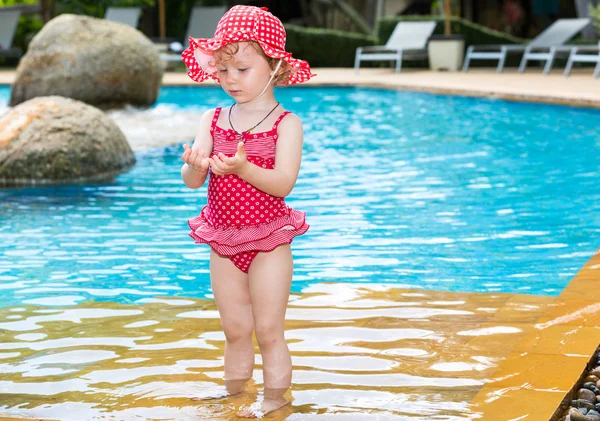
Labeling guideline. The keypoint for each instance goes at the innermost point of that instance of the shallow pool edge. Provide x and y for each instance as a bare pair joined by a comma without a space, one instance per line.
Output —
544,367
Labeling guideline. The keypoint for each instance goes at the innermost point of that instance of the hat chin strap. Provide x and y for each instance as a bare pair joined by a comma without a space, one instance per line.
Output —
269,82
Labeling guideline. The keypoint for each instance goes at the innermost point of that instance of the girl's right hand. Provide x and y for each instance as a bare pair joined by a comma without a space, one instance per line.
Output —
195,159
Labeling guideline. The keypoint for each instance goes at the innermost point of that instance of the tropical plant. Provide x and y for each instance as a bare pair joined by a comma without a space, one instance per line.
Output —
595,14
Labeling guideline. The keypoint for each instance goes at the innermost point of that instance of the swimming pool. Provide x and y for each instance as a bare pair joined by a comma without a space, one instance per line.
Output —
410,189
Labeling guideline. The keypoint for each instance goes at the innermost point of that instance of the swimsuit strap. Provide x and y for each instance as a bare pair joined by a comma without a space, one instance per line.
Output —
283,114
215,119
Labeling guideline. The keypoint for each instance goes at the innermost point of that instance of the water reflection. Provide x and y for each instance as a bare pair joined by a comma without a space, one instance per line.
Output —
383,351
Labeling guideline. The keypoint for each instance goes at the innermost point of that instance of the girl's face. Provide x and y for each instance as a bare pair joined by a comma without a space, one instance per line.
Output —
245,74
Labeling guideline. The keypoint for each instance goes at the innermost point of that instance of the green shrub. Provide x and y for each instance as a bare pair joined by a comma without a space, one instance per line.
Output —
28,27
595,14
325,47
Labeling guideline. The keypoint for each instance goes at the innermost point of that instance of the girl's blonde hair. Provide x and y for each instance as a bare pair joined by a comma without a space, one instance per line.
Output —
226,53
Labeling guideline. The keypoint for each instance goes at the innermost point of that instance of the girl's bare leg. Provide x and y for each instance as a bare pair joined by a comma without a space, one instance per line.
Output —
232,295
270,278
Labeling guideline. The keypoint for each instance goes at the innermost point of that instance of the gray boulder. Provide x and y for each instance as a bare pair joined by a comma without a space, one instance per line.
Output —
102,63
55,140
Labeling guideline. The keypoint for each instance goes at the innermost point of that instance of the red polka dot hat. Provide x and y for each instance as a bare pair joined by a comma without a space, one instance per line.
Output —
243,23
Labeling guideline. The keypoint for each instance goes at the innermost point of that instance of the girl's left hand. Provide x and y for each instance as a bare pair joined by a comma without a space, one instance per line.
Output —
221,164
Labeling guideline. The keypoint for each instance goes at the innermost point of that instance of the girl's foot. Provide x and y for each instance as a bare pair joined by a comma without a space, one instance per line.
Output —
261,408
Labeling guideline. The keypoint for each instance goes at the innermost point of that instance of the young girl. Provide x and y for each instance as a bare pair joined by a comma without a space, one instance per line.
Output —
252,151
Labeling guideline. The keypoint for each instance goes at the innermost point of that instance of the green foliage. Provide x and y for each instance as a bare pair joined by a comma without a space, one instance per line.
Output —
6,3
28,27
177,17
325,47
96,8
595,14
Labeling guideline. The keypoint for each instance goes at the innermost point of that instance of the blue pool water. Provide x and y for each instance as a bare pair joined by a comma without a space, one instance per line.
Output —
411,189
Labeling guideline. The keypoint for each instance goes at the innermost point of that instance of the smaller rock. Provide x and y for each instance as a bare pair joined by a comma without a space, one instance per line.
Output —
591,386
596,372
591,378
587,395
575,415
582,403
593,412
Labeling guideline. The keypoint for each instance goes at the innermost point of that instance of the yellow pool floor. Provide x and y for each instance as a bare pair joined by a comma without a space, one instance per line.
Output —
360,352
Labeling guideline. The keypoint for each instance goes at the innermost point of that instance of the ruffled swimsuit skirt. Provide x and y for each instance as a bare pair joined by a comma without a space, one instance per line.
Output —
239,220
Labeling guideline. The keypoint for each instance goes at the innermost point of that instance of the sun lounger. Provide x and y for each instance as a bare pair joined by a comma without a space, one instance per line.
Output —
125,15
544,47
9,20
584,54
202,24
407,42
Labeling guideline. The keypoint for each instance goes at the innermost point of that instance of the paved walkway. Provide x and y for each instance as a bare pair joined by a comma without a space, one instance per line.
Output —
579,89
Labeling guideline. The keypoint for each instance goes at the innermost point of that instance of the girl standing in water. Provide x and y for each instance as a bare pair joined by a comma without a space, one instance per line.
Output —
252,152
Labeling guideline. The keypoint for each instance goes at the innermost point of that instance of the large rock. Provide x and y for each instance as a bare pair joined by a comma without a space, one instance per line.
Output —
55,140
102,63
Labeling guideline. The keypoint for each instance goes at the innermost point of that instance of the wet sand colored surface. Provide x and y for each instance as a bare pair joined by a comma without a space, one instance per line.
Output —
359,352
547,362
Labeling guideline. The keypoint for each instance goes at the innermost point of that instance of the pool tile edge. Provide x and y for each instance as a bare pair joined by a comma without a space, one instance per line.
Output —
559,348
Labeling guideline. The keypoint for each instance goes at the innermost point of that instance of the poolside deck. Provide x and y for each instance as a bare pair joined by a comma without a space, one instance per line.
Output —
579,89
359,353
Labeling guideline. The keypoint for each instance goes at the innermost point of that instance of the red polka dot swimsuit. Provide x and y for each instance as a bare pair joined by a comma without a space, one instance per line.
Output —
239,220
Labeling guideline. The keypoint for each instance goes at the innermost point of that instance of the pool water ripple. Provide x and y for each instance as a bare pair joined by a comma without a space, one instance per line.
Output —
430,191
378,351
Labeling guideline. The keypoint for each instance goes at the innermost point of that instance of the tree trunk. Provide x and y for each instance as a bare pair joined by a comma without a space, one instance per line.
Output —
162,23
47,9
447,16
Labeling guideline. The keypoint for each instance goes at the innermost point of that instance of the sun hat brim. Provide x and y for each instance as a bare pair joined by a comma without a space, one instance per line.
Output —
198,57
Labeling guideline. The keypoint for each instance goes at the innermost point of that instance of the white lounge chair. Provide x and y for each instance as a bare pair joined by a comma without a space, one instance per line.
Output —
126,15
584,54
544,47
202,24
407,42
9,20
